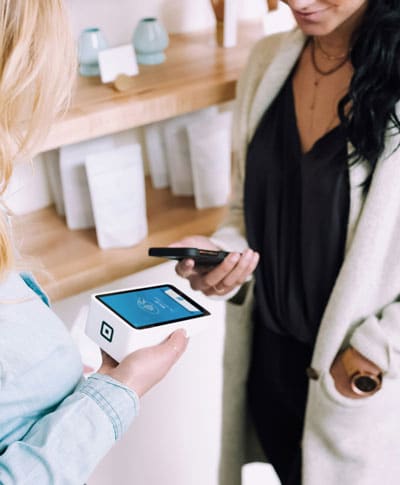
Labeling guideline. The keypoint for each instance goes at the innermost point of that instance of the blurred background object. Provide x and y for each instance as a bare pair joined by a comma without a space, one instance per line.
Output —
150,39
91,41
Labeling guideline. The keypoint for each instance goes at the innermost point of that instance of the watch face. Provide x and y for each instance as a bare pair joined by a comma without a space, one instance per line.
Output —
365,383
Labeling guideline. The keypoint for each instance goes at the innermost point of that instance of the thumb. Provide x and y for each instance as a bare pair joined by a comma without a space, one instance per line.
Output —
175,345
158,361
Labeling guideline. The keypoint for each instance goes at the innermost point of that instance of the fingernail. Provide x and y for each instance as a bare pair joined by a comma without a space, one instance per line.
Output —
235,257
181,331
249,254
186,263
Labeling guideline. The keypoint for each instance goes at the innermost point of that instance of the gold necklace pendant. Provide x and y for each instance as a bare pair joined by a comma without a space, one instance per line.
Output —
316,83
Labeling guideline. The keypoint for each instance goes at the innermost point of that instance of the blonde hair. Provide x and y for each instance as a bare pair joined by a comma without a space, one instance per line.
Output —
37,69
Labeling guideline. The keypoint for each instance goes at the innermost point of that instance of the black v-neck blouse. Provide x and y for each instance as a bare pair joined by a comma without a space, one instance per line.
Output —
296,213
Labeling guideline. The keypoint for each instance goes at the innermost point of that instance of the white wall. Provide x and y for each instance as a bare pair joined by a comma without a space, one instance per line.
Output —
119,18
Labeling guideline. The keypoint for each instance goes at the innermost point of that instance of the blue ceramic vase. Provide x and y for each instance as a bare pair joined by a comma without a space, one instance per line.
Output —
90,43
150,39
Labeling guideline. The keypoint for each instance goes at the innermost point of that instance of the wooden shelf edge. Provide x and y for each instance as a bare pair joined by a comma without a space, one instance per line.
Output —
197,74
68,262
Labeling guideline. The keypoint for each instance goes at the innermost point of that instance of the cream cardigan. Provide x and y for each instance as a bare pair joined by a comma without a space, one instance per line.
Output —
345,441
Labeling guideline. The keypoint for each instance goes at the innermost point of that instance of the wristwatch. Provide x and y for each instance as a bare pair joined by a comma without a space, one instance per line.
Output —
363,382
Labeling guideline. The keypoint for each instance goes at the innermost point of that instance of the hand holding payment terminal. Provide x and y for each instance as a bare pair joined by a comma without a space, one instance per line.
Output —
126,320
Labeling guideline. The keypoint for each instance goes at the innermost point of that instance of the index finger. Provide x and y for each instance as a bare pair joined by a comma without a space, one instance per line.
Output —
214,276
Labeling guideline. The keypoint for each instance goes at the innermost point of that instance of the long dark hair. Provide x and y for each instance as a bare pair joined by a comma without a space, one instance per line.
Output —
368,109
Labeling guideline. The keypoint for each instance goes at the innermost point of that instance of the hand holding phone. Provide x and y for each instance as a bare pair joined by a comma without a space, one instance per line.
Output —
201,257
220,279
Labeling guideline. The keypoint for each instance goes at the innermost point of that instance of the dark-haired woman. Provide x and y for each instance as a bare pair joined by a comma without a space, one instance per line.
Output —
315,341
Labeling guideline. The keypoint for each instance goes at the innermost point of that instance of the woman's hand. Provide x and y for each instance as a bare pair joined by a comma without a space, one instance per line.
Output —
341,377
228,275
144,368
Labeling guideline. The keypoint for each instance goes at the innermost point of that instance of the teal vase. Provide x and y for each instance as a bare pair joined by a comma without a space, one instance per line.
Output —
150,39
90,43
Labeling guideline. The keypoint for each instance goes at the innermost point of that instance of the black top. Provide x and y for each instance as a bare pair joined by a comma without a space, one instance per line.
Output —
296,212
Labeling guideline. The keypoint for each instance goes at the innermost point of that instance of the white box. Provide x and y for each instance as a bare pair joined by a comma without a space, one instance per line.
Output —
78,207
230,23
210,154
156,154
117,192
178,153
52,163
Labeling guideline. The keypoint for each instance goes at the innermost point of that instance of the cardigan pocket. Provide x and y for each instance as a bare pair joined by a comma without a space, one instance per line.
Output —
329,389
357,441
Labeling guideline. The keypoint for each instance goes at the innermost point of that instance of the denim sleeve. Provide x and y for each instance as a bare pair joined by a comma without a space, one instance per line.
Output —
64,446
31,282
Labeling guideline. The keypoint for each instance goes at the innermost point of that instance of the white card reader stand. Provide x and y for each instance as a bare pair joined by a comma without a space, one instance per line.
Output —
126,320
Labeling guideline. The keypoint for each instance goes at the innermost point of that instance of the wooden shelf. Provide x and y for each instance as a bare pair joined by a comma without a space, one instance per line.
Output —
69,262
196,74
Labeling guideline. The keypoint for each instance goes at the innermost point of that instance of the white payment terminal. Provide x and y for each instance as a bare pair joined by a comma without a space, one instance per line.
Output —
126,320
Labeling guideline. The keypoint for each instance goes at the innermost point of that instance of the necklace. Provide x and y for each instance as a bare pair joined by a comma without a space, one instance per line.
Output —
319,74
314,97
329,71
328,56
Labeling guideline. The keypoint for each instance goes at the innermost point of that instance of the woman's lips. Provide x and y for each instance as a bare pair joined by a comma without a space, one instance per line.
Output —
313,16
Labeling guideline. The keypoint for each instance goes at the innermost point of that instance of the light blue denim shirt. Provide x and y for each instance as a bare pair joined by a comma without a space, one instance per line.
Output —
54,425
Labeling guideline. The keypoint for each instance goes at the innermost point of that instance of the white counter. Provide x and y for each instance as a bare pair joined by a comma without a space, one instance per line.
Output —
175,440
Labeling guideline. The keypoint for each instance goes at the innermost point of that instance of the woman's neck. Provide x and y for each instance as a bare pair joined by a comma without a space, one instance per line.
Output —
340,40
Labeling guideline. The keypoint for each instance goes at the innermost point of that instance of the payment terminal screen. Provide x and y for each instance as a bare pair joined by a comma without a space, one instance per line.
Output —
148,307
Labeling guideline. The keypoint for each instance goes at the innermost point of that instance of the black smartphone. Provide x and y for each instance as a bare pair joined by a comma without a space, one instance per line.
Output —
201,257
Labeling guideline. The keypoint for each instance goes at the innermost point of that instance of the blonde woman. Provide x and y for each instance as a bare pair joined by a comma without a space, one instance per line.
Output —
54,426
